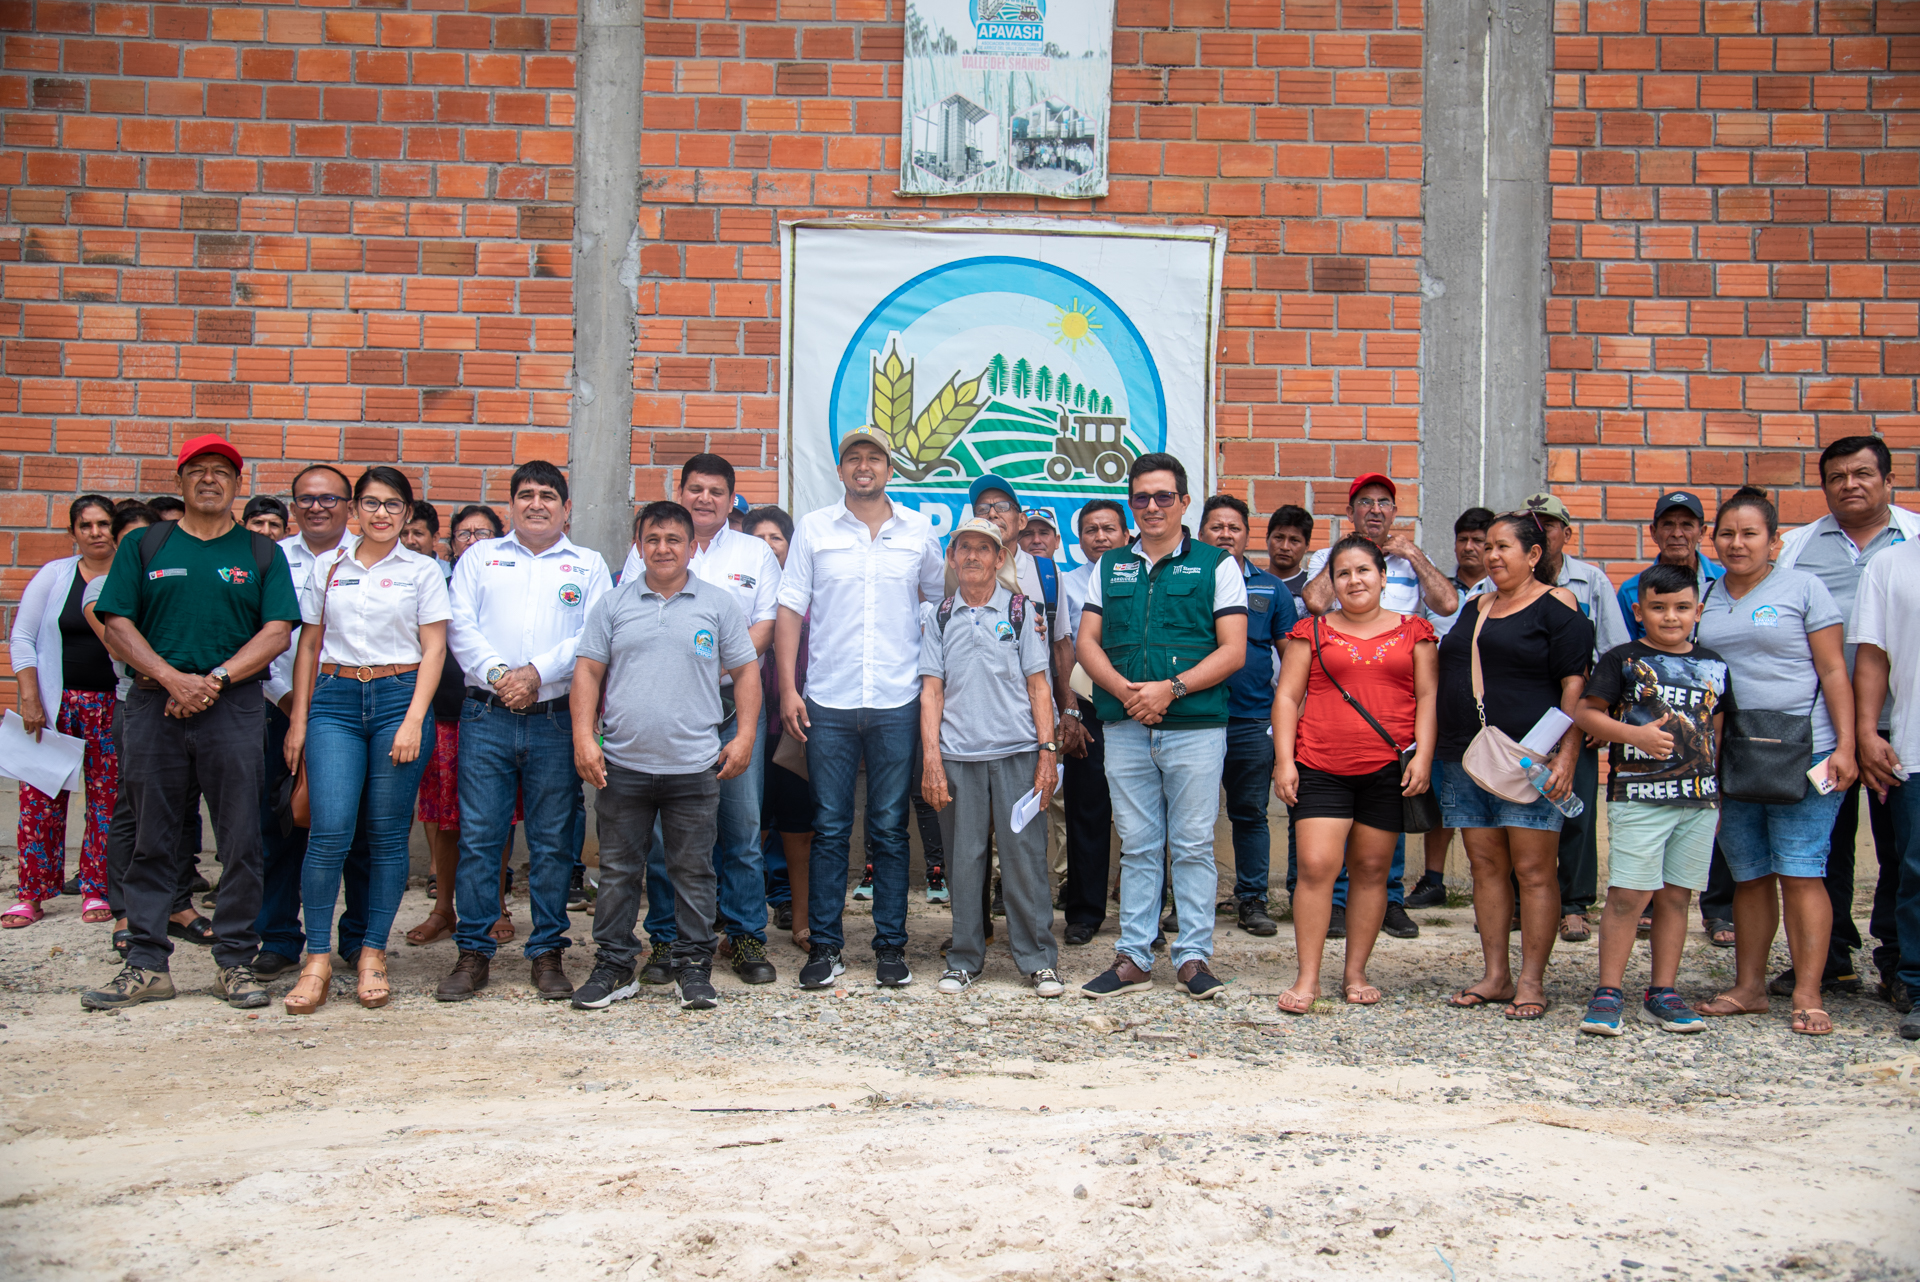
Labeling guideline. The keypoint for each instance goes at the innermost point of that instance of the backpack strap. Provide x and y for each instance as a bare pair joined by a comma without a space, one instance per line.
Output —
1049,580
151,540
944,614
263,550
1017,614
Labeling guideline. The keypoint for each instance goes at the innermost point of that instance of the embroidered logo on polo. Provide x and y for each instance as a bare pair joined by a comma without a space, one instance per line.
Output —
744,580
508,564
570,594
1766,617
346,583
234,574
703,643
172,572
1003,630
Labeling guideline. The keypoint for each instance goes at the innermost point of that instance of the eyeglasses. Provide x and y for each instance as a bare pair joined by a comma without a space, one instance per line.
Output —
1376,505
326,501
1162,499
995,508
393,507
471,536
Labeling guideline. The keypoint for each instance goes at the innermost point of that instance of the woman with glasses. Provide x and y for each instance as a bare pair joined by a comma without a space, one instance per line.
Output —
372,642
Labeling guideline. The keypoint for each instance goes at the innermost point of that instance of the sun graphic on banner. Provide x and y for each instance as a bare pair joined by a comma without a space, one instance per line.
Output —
1073,327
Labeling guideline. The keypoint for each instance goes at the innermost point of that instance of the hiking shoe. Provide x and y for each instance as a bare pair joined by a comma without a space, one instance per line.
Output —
1121,977
1429,892
1603,1013
549,976
890,968
610,982
1078,935
579,898
1200,982
658,968
239,989
268,965
1337,924
864,891
1255,920
1664,1009
822,968
954,981
937,892
130,987
469,977
694,985
783,915
1046,982
1397,923
750,961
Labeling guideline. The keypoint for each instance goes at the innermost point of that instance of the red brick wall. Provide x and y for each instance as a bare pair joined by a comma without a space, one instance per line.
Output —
1736,250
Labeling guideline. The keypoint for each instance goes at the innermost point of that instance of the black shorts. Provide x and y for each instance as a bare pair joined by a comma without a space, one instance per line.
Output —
1371,799
785,803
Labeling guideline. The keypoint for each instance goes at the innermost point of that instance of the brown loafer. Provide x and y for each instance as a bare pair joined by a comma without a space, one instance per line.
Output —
469,977
550,976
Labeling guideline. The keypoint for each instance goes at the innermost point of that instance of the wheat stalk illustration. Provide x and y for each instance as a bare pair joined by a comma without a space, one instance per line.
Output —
922,450
892,402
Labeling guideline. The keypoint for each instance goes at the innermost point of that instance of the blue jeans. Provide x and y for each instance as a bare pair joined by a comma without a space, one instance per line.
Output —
737,861
1248,776
502,753
1166,796
283,857
888,739
350,729
1904,802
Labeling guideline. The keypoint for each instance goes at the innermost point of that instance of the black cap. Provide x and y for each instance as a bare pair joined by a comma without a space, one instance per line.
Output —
1679,498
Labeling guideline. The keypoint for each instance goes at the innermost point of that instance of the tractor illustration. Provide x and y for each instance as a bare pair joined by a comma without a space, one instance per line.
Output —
1091,443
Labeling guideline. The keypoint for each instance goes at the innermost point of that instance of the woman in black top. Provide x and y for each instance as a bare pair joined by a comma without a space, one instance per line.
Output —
1534,649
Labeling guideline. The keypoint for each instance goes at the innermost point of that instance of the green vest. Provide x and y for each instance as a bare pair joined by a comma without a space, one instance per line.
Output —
1158,623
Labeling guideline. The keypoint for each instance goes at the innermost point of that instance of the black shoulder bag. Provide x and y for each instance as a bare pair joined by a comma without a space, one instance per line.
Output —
1418,813
1764,756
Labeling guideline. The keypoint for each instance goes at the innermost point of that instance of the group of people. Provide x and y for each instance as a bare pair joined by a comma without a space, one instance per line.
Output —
320,675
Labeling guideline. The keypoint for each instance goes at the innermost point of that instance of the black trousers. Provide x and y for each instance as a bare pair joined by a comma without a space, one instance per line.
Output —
1579,839
120,836
1840,883
1089,806
1716,901
167,761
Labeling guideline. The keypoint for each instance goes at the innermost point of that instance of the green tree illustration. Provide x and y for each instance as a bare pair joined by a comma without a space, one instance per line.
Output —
1063,390
1106,405
997,374
1093,400
1080,397
1043,388
1022,378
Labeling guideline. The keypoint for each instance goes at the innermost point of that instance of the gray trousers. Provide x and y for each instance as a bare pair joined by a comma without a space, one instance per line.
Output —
688,808
983,797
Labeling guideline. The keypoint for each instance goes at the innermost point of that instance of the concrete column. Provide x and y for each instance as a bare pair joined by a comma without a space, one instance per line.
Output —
1486,124
606,273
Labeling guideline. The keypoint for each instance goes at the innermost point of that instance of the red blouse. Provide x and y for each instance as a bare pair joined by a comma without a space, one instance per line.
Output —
1378,673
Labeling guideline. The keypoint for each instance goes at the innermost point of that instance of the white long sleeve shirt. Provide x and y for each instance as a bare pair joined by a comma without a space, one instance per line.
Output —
300,562
514,606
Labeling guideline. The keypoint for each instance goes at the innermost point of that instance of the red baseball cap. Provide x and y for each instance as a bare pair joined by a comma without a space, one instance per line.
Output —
209,444
1371,478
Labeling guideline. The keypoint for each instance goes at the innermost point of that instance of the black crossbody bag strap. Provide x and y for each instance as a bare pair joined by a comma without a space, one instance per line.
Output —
1352,702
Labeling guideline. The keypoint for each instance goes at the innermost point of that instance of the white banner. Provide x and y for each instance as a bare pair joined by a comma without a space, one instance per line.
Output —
1050,353
1007,96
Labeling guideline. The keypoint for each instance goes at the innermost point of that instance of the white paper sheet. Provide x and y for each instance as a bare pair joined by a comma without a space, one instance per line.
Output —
52,765
1025,809
1546,733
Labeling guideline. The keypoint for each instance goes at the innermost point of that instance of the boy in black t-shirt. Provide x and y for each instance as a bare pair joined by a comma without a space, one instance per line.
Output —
1659,701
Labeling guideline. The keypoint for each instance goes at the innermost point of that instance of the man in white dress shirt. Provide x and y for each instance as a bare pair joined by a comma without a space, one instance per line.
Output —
519,604
745,569
860,569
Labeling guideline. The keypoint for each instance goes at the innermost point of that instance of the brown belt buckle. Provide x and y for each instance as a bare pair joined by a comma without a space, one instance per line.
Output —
363,674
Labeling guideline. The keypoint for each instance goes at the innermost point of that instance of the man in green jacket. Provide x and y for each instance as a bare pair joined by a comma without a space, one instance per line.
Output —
1165,625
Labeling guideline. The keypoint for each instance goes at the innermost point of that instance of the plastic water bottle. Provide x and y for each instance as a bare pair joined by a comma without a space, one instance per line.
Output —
1538,773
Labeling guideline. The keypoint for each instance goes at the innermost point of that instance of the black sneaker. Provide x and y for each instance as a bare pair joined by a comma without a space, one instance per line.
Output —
1078,935
1429,892
999,907
1337,924
1170,924
1397,923
270,965
1899,997
890,968
750,961
199,885
864,891
783,915
822,968
1255,920
610,982
579,898
130,987
694,984
658,968
1847,985
239,989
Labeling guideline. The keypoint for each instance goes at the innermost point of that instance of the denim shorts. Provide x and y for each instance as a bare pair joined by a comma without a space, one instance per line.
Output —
1786,841
1465,804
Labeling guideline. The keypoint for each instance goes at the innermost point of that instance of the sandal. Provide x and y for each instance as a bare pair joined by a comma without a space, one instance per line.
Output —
502,931
1644,927
198,931
21,914
1573,930
1467,999
94,910
1812,1022
1723,1006
1519,1011
1357,995
309,993
122,941
1716,927
372,987
1297,1007
426,933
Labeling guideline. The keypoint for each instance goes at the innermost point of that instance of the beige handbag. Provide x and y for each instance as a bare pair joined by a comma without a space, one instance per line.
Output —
1492,760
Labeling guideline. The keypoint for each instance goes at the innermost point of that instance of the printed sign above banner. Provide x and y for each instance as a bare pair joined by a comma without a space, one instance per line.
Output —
1052,354
1007,96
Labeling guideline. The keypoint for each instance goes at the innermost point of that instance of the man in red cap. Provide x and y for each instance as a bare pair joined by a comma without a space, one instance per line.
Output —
198,608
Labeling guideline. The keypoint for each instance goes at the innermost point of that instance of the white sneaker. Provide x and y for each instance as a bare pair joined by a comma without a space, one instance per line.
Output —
1046,984
955,981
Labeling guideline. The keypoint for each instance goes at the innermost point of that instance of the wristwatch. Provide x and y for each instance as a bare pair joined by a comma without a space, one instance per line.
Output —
497,671
1070,712
221,675
1050,746
1179,688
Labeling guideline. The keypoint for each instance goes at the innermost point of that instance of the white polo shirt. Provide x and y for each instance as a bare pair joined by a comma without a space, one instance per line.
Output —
864,594
373,613
514,606
300,560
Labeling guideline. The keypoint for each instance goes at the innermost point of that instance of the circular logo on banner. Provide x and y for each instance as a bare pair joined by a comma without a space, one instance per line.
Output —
570,594
703,643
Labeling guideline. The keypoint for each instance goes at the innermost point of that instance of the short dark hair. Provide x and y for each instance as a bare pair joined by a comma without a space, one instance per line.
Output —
263,505
85,501
1750,496
1227,501
538,472
479,509
391,477
345,484
707,465
425,511
1158,463
1848,446
1357,543
663,510
1291,517
133,513
1472,521
161,504
770,513
1100,505
1667,580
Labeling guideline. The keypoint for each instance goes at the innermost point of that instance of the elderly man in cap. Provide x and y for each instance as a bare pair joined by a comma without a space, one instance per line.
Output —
198,609
986,739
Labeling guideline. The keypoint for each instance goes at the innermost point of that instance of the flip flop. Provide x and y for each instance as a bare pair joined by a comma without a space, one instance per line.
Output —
1357,995
1803,1023
1724,1006
1467,999
1296,1009
1516,1010
21,914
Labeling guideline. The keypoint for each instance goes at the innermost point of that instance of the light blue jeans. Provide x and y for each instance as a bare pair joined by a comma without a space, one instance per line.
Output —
1166,796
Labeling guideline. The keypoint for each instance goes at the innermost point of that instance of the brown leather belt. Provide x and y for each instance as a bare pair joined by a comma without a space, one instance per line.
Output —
366,673
146,683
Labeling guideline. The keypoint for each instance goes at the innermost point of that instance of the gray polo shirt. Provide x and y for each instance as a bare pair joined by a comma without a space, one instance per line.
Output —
1763,638
984,666
664,657
1831,557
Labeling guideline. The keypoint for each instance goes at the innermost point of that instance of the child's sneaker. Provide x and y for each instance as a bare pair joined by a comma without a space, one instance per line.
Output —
864,891
1664,1008
1603,1012
937,892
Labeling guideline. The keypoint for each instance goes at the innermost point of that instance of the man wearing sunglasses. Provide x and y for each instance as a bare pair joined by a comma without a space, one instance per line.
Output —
1163,628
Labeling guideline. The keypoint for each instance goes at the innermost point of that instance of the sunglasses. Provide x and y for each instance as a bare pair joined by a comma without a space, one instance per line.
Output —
1161,499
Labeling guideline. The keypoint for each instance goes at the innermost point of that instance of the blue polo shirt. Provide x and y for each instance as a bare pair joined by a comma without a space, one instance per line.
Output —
1270,617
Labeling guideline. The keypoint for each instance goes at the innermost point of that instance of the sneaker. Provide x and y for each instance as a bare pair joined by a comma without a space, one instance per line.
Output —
864,891
1900,997
610,982
822,968
1121,977
750,961
694,984
1664,1009
937,892
239,989
1429,892
198,885
954,981
1603,1013
1255,920
1200,982
579,898
1910,1027
1337,924
999,905
71,886
783,915
1170,924
268,965
1078,936
890,968
658,968
1397,923
1046,982
130,987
